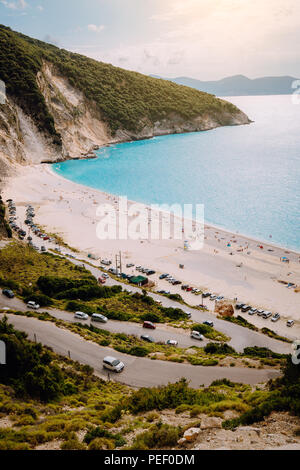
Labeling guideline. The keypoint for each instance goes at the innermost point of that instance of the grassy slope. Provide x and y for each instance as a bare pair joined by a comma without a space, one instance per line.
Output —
21,268
124,98
83,411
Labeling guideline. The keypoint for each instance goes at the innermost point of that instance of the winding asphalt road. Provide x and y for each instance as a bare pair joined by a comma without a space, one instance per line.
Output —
138,372
240,337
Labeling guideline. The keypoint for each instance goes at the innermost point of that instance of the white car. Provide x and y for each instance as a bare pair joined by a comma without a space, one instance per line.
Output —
172,342
290,323
33,305
100,318
106,276
81,315
197,335
113,364
275,317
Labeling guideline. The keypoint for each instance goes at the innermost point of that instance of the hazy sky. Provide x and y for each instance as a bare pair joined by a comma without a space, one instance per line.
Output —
205,39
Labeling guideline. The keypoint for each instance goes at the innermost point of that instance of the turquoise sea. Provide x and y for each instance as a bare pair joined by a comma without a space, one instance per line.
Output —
248,177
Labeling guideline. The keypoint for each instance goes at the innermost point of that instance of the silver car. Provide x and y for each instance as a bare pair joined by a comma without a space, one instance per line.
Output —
113,364
81,315
100,318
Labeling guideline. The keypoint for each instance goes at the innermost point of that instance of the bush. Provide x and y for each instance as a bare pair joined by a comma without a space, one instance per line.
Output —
41,299
102,444
72,444
262,352
138,351
100,433
222,349
151,316
159,436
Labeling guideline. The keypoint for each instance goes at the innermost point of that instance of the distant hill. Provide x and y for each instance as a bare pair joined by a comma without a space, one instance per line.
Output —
239,85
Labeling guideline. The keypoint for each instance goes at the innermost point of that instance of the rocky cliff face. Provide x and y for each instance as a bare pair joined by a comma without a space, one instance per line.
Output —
80,124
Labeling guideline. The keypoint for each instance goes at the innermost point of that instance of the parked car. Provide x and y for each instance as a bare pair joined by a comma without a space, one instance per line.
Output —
252,311
149,325
148,338
245,308
239,306
208,323
101,280
81,315
197,335
129,265
106,262
43,249
99,318
290,323
113,364
33,305
219,298
172,342
213,297
8,293
260,312
188,314
163,276
266,315
151,272
275,317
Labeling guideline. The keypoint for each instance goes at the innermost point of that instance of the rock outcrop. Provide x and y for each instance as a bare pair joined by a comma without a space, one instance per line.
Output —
224,309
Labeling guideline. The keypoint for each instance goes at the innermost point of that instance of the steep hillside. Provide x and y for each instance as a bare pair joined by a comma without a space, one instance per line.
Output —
61,105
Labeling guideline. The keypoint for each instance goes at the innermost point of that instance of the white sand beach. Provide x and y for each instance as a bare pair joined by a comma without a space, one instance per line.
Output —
69,210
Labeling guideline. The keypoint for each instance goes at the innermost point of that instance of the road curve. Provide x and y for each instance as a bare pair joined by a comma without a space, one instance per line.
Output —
138,372
243,337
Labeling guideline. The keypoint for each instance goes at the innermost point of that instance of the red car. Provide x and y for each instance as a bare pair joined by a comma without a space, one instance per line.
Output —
101,280
149,325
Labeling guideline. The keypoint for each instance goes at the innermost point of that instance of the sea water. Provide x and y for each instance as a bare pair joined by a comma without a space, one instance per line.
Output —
247,177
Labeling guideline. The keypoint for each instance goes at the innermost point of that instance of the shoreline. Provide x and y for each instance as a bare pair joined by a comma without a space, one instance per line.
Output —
69,210
207,225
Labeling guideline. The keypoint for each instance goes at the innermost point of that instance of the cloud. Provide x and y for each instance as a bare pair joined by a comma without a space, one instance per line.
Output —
15,5
96,29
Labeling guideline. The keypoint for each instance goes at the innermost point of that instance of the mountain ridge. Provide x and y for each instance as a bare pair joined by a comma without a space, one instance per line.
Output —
239,85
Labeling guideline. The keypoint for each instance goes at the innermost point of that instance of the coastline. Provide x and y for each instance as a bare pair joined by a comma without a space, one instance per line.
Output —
69,209
230,232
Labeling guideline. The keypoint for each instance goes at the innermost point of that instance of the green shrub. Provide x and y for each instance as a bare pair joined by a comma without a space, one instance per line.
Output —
72,444
101,443
215,348
158,436
138,351
41,299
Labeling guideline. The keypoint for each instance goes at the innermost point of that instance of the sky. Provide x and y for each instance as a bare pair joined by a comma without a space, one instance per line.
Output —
203,39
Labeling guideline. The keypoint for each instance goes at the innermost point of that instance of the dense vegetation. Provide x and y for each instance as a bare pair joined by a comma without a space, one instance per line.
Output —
284,395
31,371
49,398
125,99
